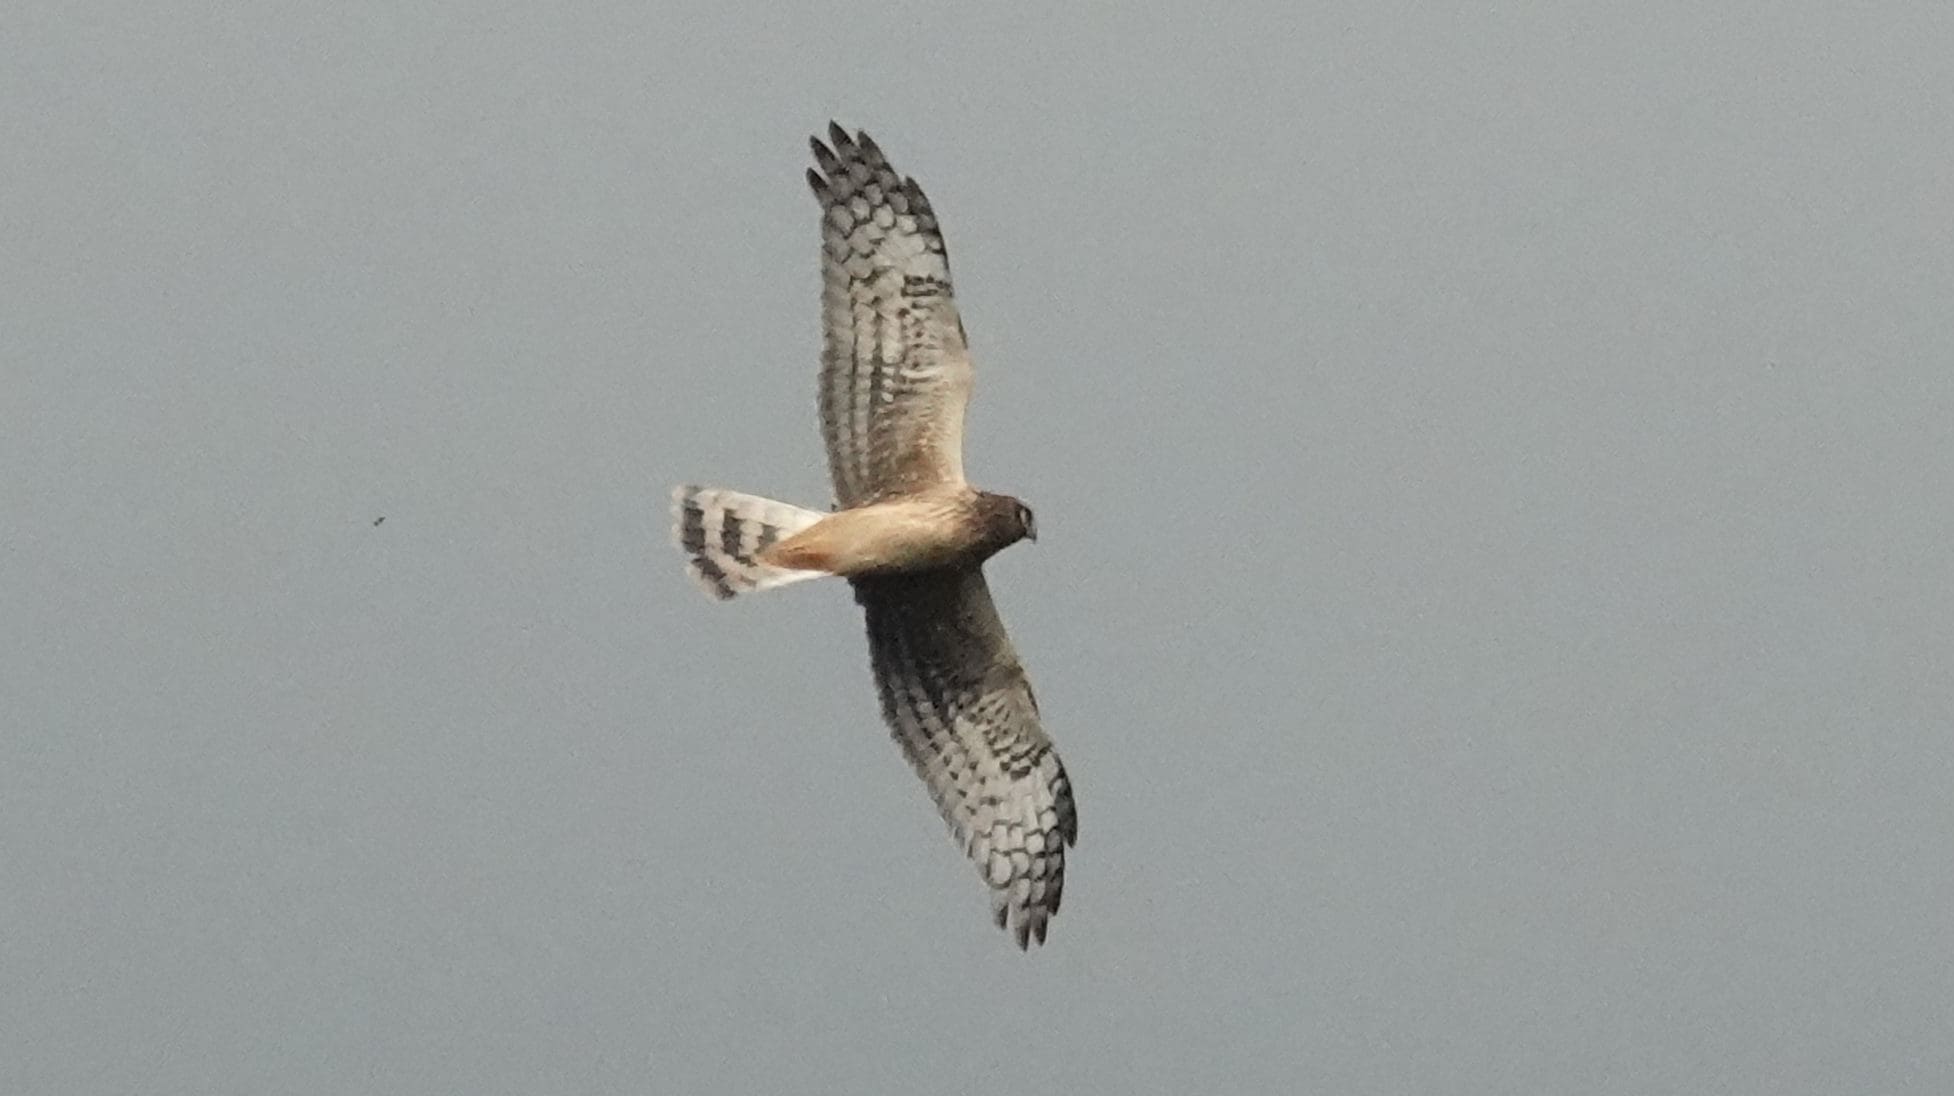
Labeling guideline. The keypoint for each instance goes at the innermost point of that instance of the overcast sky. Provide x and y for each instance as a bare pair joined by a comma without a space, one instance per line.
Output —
1494,593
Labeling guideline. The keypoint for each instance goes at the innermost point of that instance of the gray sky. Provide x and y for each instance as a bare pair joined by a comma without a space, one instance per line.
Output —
1493,597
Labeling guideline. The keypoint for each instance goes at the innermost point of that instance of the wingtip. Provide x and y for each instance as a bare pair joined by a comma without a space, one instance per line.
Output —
1027,924
1030,928
870,151
827,166
918,201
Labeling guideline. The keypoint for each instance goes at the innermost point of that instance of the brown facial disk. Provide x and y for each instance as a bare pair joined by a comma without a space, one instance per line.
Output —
1006,521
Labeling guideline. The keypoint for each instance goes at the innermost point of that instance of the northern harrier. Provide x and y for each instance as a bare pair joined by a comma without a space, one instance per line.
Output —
908,533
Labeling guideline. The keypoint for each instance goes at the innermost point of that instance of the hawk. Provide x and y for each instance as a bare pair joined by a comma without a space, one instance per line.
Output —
908,533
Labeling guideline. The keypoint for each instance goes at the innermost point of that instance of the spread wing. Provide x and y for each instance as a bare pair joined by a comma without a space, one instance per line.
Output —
895,371
959,704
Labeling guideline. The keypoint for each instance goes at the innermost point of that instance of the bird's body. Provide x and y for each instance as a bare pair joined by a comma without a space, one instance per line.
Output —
945,526
909,533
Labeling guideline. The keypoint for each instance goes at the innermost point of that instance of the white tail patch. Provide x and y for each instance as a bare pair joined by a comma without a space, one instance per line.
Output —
721,531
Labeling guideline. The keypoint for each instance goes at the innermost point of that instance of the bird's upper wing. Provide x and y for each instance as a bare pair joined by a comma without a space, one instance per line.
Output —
895,371
959,704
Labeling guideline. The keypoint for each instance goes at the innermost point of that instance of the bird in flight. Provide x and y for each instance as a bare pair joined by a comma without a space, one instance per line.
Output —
908,533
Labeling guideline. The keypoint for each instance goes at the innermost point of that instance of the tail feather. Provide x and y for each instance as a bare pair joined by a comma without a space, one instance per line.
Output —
721,532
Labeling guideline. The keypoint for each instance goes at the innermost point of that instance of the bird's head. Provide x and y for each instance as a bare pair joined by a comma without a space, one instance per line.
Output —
1007,521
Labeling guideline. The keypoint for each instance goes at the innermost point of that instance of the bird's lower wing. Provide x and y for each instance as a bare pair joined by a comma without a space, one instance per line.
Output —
959,705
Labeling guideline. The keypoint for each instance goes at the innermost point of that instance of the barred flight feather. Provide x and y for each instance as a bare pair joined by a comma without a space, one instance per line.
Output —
721,531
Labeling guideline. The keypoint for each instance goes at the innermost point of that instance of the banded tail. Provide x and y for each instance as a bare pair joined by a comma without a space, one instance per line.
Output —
721,532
